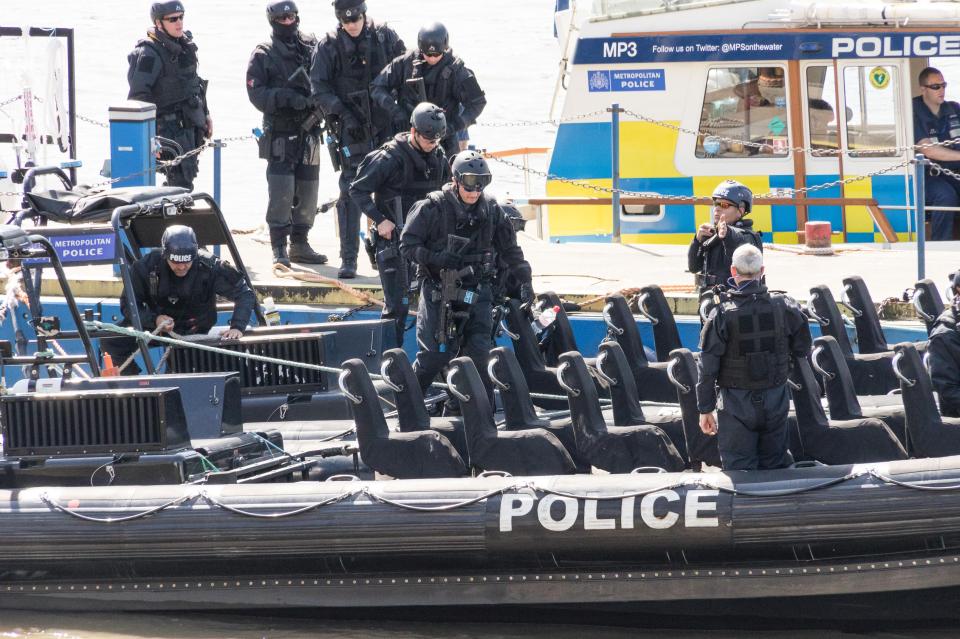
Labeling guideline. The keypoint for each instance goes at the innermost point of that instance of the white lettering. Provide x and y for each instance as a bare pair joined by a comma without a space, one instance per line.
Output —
693,507
592,522
869,47
949,45
626,512
648,515
925,45
570,511
841,45
609,49
514,506
888,48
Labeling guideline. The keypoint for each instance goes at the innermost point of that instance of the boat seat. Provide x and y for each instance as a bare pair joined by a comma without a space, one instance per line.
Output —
652,304
853,441
871,373
842,401
930,434
701,448
615,449
416,455
540,377
562,338
927,302
613,368
650,379
74,207
518,409
531,452
412,416
870,337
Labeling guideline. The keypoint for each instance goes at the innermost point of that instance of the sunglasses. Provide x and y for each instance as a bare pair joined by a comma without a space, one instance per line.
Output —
351,19
432,55
936,87
721,204
473,182
173,19
286,17
427,138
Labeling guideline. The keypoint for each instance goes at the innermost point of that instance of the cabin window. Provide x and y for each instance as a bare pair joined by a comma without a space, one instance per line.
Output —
822,125
744,114
871,105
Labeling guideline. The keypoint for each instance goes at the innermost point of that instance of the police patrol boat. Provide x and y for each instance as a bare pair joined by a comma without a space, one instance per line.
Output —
743,89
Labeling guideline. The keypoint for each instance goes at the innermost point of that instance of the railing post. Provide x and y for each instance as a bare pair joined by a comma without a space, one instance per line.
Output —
920,195
615,166
217,166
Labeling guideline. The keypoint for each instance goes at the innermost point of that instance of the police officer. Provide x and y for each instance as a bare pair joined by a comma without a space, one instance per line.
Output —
710,252
163,70
944,352
278,84
460,210
431,73
746,348
389,181
176,289
936,119
345,62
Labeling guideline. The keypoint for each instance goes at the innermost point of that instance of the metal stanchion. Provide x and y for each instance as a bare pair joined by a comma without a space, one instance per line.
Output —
615,167
920,194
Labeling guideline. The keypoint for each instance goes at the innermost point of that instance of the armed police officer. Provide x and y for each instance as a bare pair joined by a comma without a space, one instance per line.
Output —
278,84
163,70
455,236
344,64
431,74
176,289
711,250
746,347
944,352
389,181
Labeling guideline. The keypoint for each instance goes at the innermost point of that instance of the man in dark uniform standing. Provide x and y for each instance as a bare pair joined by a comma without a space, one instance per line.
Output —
344,64
176,289
432,74
278,84
452,229
936,119
163,70
746,347
944,352
389,181
711,249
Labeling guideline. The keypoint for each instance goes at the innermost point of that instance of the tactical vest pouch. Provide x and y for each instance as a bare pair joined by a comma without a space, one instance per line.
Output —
264,145
758,366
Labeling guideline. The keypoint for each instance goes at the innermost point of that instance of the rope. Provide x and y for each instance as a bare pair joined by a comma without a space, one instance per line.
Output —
281,270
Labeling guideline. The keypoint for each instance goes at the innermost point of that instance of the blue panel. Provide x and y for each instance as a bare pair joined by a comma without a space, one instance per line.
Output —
582,151
860,237
889,191
679,218
131,155
832,214
562,239
784,217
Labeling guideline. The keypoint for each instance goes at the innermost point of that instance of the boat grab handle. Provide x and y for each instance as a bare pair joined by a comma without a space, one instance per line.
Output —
643,309
822,321
792,384
342,383
917,294
601,358
342,478
648,469
896,371
493,376
609,322
563,384
702,311
845,301
815,362
453,389
494,473
506,331
384,365
671,375
926,363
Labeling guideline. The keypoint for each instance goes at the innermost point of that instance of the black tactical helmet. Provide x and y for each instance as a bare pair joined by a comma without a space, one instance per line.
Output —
429,121
514,217
736,192
349,10
470,170
277,8
160,9
433,38
179,244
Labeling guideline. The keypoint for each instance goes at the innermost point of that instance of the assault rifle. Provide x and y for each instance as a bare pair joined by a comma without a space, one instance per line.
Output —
452,291
417,90
317,119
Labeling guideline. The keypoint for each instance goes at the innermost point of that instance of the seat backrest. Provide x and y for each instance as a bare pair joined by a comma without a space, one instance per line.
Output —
469,390
806,398
411,411
920,406
581,394
517,406
829,317
561,337
612,362
622,327
870,337
666,336
525,345
683,374
841,393
927,301
367,415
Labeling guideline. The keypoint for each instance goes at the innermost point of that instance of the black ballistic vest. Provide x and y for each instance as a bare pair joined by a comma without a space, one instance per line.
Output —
757,355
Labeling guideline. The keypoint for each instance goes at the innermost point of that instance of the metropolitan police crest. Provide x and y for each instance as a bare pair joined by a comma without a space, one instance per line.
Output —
598,81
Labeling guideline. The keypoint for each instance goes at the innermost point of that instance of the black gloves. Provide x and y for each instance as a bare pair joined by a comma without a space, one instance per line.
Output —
446,259
292,99
527,296
400,121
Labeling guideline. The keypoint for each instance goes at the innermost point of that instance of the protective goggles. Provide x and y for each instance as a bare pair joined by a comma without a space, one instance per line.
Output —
432,54
172,19
433,139
474,182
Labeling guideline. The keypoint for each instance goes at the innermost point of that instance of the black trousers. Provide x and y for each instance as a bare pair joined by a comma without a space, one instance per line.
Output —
292,192
752,428
394,278
189,138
